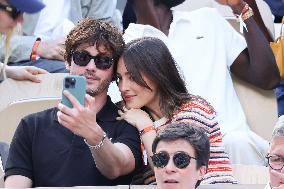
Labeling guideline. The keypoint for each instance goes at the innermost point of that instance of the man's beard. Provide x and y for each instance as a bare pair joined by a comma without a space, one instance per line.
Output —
104,84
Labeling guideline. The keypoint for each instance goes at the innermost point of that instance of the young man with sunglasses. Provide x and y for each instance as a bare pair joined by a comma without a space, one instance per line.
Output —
275,157
42,41
181,154
83,145
11,13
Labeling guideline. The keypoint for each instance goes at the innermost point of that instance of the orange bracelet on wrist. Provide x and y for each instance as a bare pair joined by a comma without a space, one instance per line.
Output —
146,130
34,55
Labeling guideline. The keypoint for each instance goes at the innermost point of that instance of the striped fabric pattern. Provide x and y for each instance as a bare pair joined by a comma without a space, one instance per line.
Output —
202,114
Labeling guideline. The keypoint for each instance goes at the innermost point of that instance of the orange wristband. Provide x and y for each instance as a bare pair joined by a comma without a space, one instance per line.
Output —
147,129
35,46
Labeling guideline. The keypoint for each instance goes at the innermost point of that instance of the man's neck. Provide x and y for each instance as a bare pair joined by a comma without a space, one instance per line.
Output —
100,101
147,13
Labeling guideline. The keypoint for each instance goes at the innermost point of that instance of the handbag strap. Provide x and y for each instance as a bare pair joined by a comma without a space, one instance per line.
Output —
281,30
281,36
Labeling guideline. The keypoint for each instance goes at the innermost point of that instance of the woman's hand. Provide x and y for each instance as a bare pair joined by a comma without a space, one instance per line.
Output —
136,117
24,73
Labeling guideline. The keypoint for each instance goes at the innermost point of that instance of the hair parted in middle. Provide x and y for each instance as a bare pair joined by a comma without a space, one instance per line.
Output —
95,32
151,57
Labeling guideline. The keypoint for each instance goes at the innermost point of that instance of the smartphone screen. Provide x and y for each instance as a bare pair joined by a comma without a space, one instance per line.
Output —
76,85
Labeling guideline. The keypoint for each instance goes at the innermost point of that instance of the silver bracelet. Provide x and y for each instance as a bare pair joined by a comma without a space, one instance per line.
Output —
97,146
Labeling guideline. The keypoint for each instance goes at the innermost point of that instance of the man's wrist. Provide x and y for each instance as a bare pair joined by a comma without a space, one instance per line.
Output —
238,8
99,144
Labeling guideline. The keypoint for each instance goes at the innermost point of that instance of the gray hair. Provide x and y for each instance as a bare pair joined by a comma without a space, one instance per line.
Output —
279,127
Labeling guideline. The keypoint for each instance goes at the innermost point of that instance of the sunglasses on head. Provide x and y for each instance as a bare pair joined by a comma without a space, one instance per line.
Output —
12,11
181,159
82,58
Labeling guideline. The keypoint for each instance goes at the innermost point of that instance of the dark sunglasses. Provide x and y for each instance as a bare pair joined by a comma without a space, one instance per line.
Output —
180,159
12,11
82,58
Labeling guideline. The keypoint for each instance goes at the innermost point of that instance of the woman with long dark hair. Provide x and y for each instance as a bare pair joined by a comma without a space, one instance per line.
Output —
154,94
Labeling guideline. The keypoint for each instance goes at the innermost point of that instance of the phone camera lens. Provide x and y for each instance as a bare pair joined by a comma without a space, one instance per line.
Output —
73,81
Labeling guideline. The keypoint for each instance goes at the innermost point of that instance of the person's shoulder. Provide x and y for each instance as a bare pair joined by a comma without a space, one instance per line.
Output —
197,103
35,122
47,114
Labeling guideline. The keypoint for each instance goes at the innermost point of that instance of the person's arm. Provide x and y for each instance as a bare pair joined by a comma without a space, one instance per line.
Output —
219,168
258,19
19,166
112,160
21,47
256,64
217,149
24,73
141,121
145,13
18,181
52,49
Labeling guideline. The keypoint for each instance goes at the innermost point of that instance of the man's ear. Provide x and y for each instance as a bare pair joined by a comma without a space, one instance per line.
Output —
202,172
67,66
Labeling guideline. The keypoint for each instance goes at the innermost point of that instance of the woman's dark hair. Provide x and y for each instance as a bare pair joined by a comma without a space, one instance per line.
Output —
151,57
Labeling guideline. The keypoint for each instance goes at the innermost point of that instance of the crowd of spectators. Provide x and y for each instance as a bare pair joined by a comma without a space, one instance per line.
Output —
179,116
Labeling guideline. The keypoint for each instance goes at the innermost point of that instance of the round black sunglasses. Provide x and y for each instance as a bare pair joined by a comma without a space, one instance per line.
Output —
181,159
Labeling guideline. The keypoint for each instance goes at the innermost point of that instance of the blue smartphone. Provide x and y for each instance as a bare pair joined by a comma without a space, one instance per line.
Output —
76,85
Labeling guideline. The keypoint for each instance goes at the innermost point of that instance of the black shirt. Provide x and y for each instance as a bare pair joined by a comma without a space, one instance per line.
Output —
51,155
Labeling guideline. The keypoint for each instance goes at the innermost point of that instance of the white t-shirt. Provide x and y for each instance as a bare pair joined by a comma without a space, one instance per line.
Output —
204,46
54,21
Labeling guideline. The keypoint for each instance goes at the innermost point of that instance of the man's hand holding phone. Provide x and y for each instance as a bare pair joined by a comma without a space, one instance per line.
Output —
78,117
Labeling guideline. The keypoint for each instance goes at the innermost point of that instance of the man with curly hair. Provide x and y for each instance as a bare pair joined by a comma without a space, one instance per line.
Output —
83,145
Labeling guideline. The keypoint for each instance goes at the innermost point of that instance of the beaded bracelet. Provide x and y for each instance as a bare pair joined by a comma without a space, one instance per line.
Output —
247,14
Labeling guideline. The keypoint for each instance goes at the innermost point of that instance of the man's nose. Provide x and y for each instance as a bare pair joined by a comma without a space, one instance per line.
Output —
123,85
91,65
170,167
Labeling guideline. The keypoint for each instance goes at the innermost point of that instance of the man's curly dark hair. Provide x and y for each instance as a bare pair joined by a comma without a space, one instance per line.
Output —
95,32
